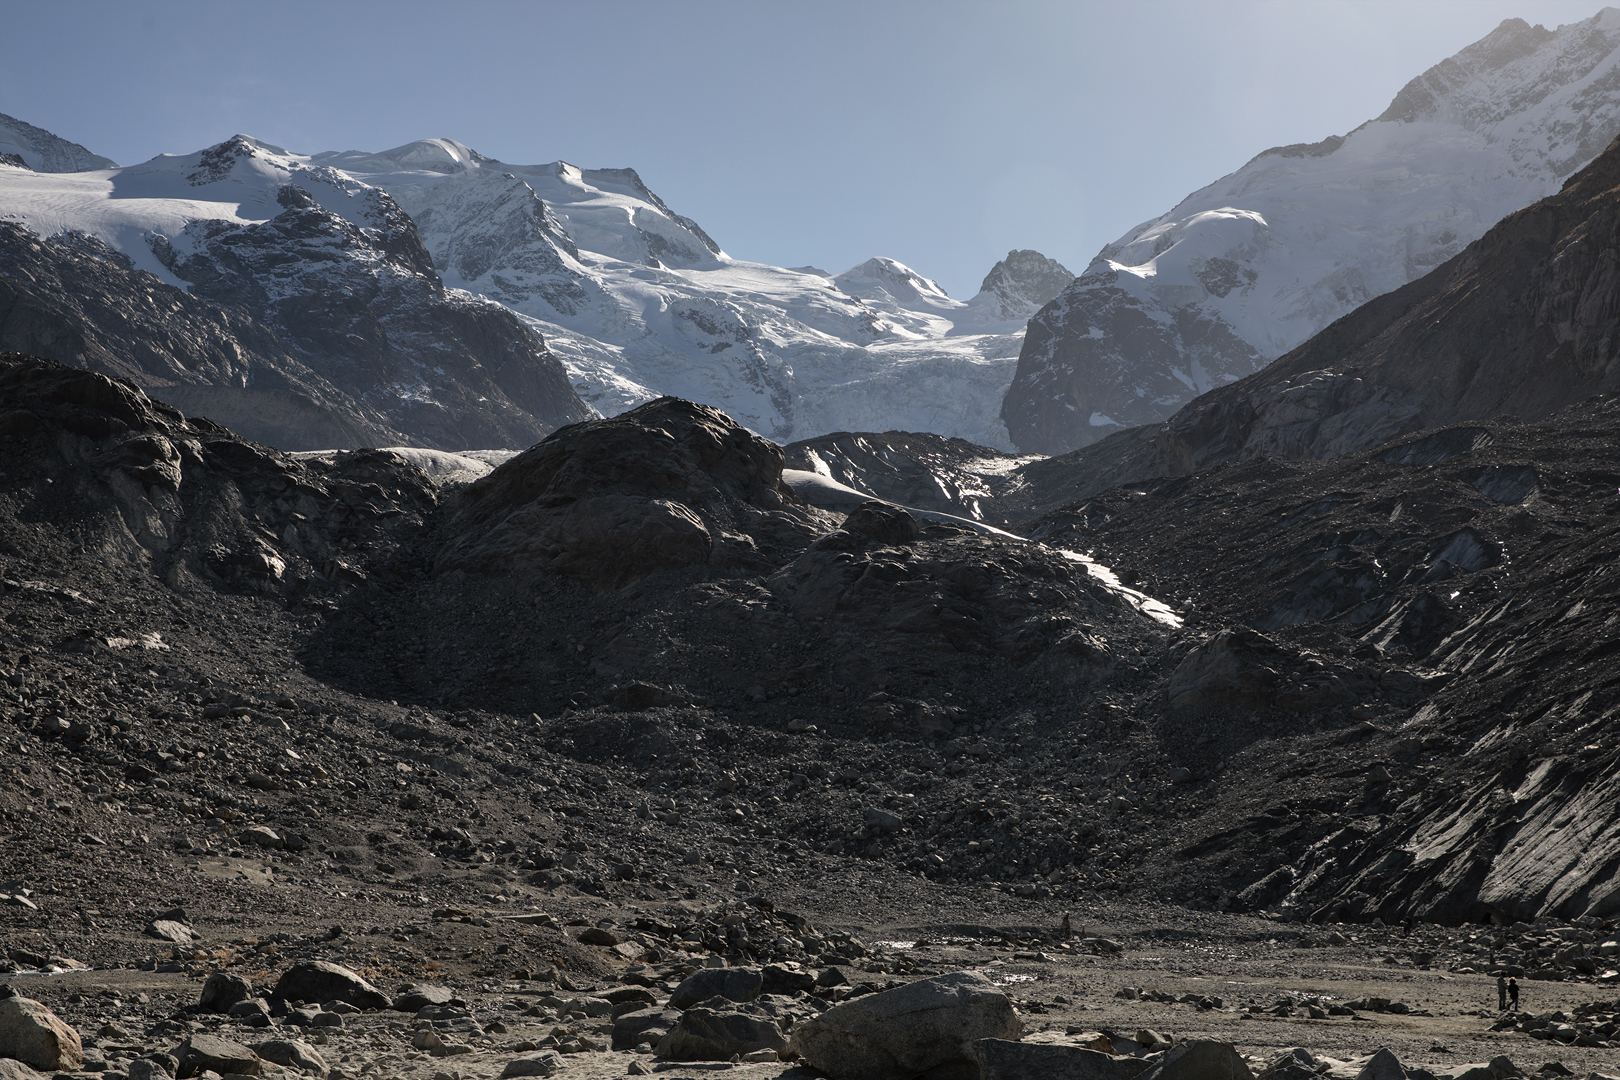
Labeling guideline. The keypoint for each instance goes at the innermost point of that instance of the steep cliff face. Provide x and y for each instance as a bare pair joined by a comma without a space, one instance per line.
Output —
1253,265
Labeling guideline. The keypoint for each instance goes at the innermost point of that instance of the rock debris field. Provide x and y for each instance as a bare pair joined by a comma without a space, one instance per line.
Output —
623,760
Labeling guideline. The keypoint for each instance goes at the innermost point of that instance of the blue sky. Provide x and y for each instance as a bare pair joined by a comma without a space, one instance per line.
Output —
939,133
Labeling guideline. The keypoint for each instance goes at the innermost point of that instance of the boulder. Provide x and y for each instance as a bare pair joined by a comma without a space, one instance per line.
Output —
146,1069
16,1070
539,1065
1383,1065
1234,667
253,1014
733,984
261,836
631,1029
223,990
414,998
318,980
1003,1059
630,995
293,1054
707,1035
209,1053
170,930
1295,1064
1201,1059
787,981
882,523
927,1025
883,820
33,1035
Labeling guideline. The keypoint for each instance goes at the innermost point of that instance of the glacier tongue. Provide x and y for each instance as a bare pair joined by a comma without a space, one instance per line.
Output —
1254,264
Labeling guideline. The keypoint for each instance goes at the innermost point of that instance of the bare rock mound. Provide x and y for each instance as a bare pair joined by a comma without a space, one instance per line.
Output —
669,485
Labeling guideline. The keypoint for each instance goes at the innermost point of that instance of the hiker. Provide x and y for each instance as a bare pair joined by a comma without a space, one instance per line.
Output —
1501,993
1513,993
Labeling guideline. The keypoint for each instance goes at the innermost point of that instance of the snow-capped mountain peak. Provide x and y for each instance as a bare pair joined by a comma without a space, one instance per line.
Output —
888,281
1252,265
1020,285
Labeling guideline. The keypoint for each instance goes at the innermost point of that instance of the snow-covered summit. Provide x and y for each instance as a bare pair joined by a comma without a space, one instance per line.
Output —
1015,289
1254,264
40,151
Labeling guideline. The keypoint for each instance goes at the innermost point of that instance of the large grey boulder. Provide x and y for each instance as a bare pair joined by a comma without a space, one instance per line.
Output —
1202,1059
318,980
1003,1059
925,1026
209,1053
733,984
222,990
33,1035
1383,1065
707,1035
293,1054
544,1064
787,981
1295,1064
631,1029
414,998
11,1069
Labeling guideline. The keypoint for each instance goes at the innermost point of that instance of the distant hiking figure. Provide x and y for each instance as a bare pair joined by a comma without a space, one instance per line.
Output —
1501,993
1513,993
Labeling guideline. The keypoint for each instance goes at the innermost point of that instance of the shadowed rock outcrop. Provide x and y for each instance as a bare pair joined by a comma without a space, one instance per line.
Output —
668,485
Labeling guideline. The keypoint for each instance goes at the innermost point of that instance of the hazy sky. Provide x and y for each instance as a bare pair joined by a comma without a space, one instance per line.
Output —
939,133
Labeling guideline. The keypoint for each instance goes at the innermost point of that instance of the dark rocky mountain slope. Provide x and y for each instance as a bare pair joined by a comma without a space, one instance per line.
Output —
78,301
629,659
1470,571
